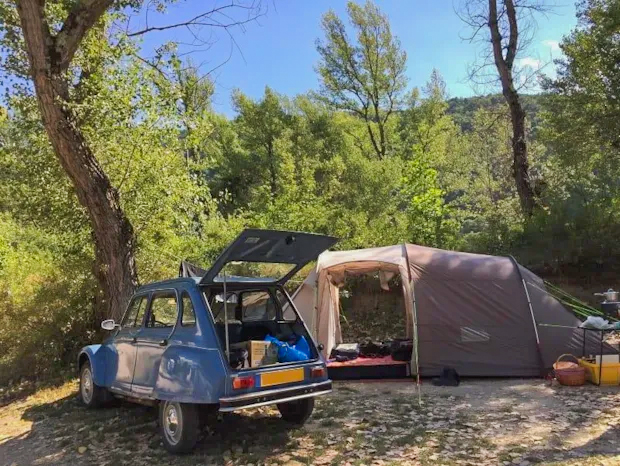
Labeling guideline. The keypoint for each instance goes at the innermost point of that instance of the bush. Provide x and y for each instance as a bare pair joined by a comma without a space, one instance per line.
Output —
45,304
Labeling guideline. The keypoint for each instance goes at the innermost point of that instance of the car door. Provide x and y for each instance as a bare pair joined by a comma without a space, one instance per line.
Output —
124,343
159,325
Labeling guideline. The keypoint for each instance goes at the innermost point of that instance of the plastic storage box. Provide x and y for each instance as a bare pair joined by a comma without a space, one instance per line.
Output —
609,375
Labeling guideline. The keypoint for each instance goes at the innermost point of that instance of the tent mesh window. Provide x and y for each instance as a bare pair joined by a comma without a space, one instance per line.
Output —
369,312
474,335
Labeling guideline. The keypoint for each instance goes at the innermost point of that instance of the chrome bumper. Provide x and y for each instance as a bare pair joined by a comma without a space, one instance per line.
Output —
279,395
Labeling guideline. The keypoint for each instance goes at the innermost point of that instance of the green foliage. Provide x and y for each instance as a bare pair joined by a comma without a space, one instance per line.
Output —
365,77
299,165
365,160
483,185
144,130
46,292
581,127
463,109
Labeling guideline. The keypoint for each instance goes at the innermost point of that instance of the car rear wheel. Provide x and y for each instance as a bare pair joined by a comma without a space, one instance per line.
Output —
92,395
179,426
297,412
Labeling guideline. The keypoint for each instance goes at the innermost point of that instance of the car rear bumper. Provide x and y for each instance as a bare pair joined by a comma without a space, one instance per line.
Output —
279,395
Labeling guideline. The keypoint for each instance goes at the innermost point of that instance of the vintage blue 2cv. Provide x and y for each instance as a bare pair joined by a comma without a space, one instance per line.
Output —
215,342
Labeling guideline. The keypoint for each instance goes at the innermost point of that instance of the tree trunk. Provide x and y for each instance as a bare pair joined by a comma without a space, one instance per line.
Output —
112,230
520,165
273,174
375,145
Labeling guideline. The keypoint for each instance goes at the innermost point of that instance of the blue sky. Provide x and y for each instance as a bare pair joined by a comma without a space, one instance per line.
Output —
278,50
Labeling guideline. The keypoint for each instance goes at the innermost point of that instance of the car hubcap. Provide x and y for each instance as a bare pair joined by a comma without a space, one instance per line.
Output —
87,386
172,423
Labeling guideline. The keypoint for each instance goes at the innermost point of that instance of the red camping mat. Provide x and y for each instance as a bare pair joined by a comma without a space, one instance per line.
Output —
384,361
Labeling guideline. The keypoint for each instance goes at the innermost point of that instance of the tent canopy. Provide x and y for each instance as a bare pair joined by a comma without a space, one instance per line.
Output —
471,311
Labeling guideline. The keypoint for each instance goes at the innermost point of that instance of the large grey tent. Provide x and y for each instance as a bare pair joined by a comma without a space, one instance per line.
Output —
479,314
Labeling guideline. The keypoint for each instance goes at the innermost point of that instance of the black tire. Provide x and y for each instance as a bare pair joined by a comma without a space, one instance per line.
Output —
207,414
297,412
93,396
179,426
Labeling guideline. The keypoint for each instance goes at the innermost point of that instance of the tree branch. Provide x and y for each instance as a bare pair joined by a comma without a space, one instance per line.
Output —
80,20
514,33
496,42
36,33
199,20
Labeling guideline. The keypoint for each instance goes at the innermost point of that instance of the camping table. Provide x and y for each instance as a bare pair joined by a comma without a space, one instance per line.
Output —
583,346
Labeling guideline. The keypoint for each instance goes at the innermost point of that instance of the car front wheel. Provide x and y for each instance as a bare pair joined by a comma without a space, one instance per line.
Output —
92,395
179,426
297,412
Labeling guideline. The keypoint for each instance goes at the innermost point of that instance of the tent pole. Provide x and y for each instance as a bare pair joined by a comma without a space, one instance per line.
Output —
415,323
529,304
226,322
315,310
415,339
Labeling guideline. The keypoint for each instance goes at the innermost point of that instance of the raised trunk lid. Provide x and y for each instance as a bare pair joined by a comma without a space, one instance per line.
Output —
256,246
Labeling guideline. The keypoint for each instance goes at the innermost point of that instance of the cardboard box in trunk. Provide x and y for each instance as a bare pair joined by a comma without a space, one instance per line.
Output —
260,353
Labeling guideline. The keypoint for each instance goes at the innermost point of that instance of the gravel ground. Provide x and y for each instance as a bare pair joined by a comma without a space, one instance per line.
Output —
482,422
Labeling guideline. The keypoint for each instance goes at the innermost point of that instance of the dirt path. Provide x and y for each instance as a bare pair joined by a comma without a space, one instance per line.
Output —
482,422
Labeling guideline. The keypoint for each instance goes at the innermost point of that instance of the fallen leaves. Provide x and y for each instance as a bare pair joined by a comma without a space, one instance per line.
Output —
512,423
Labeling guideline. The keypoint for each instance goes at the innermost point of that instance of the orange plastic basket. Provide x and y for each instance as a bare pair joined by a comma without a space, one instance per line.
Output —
569,373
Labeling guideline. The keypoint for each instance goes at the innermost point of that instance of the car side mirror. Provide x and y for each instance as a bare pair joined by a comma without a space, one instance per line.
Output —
320,347
109,324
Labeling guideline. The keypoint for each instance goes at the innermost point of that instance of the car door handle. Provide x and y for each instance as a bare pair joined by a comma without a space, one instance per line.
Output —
164,342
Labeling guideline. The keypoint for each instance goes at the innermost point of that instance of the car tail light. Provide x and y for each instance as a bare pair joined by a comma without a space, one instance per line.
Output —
240,383
317,372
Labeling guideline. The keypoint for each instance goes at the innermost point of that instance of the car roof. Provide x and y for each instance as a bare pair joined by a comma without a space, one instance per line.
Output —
167,283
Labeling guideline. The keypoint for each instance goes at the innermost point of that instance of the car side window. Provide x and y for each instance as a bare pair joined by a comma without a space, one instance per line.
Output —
135,312
188,316
163,312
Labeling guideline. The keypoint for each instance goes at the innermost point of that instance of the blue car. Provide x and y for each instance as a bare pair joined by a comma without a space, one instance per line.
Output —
214,342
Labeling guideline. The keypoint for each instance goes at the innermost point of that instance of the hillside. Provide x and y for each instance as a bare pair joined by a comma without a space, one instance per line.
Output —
463,108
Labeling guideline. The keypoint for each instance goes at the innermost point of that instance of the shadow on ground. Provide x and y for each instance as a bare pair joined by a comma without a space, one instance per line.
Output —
63,432
18,392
